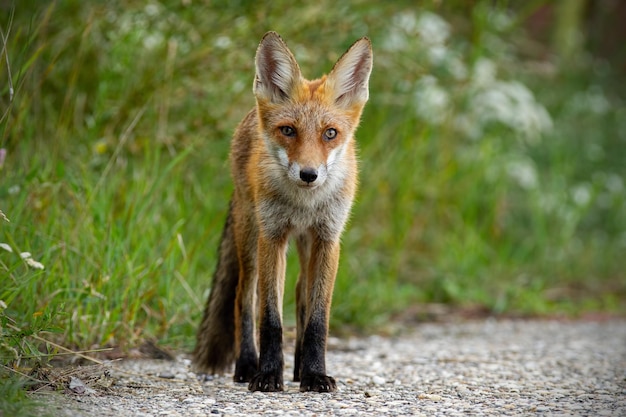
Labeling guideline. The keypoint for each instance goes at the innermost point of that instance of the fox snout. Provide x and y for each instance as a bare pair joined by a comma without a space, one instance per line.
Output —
308,175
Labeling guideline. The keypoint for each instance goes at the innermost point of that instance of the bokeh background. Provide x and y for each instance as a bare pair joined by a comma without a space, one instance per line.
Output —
493,160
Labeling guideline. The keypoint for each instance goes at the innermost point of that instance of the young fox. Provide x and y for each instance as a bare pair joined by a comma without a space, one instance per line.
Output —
295,172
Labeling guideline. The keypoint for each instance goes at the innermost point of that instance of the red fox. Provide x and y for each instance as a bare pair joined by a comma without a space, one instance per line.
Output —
295,172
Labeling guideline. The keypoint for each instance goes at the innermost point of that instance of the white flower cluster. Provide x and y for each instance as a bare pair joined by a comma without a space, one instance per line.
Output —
432,101
471,99
153,27
510,103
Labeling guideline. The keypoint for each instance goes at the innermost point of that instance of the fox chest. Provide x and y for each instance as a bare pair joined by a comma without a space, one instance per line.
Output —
280,217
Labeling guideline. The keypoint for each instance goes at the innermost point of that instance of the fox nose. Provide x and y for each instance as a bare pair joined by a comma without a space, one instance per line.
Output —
308,175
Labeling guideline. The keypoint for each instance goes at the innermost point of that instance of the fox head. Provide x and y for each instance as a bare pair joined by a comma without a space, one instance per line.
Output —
308,126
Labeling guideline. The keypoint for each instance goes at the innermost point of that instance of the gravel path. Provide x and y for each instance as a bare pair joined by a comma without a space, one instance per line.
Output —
470,368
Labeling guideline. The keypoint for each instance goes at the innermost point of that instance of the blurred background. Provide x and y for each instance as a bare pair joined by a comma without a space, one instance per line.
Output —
493,160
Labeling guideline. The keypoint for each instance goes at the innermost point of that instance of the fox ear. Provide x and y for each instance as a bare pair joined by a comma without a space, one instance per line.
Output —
277,71
350,76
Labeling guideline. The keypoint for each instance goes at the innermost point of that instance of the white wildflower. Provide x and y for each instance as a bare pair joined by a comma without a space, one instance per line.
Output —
614,184
598,103
524,172
456,67
432,28
3,305
395,41
6,247
28,258
407,21
549,202
402,29
223,42
152,9
153,40
484,72
431,100
590,101
4,217
581,194
34,264
124,26
593,101
238,86
513,104
437,54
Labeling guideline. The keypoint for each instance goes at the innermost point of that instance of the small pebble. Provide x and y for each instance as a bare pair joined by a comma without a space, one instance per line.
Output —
378,380
430,397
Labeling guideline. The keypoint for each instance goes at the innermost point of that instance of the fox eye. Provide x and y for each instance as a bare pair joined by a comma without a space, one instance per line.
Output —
287,131
330,134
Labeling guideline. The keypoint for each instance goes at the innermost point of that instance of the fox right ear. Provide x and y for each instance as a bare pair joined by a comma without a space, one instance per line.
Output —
277,71
350,76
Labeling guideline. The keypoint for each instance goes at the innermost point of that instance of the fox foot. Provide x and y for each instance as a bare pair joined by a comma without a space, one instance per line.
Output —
245,370
318,383
267,382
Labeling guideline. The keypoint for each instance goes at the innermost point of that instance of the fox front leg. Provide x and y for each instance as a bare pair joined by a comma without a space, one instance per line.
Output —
323,264
272,263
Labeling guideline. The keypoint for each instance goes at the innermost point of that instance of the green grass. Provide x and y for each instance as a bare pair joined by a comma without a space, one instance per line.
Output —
116,176
15,402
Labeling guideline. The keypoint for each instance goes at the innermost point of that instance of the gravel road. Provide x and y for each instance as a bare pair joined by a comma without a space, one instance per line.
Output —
489,367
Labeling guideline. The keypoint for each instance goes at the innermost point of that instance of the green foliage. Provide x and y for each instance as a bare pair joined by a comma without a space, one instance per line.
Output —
14,401
486,178
18,347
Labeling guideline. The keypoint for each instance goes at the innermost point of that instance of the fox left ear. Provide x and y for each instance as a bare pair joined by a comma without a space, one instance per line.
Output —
277,71
350,76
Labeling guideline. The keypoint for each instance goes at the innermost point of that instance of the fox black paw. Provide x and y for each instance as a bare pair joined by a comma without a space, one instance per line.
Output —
318,383
267,382
245,371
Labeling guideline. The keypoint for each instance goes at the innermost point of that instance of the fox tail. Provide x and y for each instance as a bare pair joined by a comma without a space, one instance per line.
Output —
215,345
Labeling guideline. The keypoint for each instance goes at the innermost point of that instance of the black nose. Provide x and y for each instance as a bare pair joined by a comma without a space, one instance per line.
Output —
308,175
